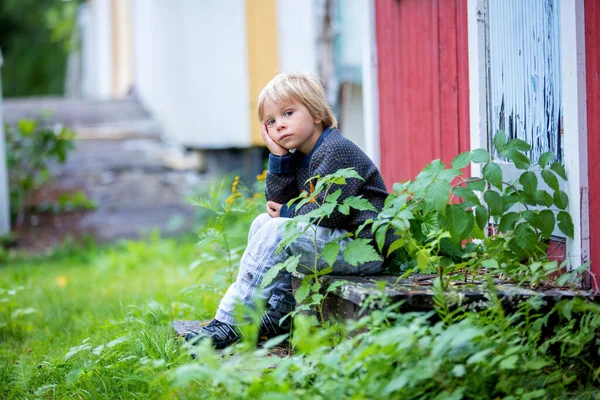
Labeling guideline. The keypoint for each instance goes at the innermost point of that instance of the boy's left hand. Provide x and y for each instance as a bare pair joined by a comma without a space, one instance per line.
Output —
273,208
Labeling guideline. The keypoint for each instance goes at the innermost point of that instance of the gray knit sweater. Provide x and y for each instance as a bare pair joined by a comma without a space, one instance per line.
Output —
288,175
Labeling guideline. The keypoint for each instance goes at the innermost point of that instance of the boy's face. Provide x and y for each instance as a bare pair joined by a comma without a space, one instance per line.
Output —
292,126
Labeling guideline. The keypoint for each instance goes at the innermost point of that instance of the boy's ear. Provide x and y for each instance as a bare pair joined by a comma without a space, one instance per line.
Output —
318,121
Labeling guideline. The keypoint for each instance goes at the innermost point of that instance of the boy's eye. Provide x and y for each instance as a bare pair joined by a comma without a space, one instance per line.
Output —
288,113
270,122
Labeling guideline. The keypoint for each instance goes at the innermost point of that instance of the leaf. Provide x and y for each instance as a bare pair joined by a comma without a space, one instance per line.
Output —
559,169
332,198
480,156
500,140
360,251
324,210
481,216
490,264
550,179
529,182
358,203
330,252
545,158
276,269
508,221
333,286
344,209
456,221
494,202
380,237
525,235
477,184
396,244
543,198
493,173
466,194
544,221
462,160
275,341
509,362
431,170
437,195
459,371
483,354
561,199
302,292
565,224
518,145
26,126
423,259
520,160
448,175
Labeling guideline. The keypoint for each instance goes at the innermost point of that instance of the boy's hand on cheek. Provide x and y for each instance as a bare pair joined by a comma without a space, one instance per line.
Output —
273,147
273,208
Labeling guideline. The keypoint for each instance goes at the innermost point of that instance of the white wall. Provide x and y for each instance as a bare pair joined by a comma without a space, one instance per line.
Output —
97,51
191,69
298,32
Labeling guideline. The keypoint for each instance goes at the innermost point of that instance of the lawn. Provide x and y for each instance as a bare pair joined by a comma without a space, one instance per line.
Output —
95,322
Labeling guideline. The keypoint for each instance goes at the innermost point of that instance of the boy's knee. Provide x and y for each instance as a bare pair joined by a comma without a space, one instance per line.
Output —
259,221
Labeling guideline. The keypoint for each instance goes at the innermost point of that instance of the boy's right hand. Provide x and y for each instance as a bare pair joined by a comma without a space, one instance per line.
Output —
273,147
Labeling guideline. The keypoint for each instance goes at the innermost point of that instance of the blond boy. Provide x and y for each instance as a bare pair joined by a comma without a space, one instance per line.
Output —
294,115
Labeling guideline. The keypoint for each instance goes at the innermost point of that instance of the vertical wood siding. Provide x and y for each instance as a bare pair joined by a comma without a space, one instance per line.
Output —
263,60
423,84
592,60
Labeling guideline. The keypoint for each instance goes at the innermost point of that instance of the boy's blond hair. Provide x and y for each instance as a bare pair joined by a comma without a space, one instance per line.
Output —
305,89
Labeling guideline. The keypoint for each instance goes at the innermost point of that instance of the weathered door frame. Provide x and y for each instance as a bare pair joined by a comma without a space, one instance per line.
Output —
574,110
369,81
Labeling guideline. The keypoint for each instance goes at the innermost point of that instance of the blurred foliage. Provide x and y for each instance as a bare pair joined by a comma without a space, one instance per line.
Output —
35,38
31,147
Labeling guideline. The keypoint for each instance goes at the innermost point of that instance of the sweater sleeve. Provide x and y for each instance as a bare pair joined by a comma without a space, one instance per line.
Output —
324,164
281,184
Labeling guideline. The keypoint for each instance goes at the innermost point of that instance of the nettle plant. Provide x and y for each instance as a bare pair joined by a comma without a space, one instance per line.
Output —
455,227
311,291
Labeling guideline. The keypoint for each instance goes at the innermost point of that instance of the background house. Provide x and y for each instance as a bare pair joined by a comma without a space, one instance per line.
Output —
453,73
198,66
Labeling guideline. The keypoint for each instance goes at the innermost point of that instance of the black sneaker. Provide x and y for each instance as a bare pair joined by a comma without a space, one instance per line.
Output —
270,327
220,333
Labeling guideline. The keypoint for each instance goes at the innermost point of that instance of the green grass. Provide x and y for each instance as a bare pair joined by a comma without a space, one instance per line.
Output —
116,303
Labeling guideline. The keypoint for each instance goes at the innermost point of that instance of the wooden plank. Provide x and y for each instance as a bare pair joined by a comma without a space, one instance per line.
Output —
449,129
417,292
263,57
462,59
183,327
592,60
423,84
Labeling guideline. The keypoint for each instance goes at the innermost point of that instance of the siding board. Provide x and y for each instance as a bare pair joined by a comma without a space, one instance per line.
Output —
592,60
423,84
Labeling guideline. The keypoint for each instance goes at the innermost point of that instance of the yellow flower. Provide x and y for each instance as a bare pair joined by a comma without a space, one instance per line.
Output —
262,176
232,198
61,281
234,186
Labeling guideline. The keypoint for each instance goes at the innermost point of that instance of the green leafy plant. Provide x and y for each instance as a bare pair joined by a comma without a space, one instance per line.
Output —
312,292
445,223
215,235
31,147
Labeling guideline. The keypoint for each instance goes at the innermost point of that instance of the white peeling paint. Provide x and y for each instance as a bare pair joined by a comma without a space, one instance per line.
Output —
524,73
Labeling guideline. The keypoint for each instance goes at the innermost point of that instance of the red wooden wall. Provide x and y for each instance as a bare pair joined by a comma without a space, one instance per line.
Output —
422,51
592,61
